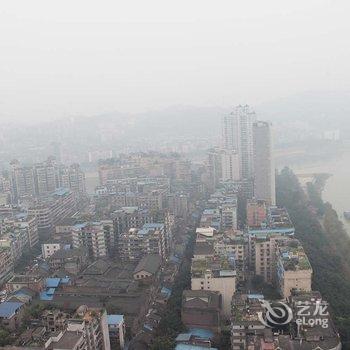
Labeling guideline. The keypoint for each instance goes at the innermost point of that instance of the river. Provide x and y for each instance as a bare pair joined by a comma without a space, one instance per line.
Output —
337,188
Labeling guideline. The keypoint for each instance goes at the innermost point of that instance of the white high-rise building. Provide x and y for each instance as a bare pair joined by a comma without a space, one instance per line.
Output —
264,178
238,136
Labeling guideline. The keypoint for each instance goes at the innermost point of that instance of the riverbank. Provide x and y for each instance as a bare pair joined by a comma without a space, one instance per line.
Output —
336,189
327,247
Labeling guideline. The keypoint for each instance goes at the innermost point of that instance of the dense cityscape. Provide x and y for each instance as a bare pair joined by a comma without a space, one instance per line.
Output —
174,175
167,253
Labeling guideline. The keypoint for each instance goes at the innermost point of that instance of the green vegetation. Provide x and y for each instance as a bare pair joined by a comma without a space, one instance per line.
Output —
325,242
34,311
163,343
5,338
315,198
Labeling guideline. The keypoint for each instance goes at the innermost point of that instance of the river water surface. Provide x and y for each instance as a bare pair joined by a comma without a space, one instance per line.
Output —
337,188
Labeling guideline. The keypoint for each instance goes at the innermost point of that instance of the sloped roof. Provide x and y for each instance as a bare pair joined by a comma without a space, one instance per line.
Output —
149,263
201,299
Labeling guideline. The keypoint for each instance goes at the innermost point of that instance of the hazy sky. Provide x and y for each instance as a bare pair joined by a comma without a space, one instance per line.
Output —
60,58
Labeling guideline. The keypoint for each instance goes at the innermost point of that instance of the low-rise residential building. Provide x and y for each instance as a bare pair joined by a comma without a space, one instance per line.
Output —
96,237
48,249
71,260
54,320
67,340
215,274
17,282
16,241
228,211
262,255
136,243
246,326
11,314
29,225
211,218
201,309
147,268
234,245
256,213
277,222
203,250
309,325
49,211
65,225
178,204
294,270
262,246
19,234
126,218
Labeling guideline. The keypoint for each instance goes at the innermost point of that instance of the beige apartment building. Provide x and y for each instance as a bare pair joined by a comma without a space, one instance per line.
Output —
215,274
293,268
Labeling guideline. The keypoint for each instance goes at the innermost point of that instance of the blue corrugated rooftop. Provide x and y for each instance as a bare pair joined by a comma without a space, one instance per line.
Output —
9,308
52,282
46,297
201,333
50,291
115,319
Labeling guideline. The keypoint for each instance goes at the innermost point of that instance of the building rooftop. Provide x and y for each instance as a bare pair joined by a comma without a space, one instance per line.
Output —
8,308
148,228
150,263
246,309
201,299
218,266
203,248
67,253
24,279
205,231
277,221
52,282
115,319
68,341
292,255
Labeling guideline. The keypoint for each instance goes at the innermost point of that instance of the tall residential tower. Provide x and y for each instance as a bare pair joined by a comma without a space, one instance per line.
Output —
264,178
237,129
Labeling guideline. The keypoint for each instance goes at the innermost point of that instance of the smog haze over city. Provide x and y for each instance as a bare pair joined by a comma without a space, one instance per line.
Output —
174,175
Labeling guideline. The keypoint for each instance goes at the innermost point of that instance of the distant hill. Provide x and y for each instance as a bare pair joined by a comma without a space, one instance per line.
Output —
172,121
325,109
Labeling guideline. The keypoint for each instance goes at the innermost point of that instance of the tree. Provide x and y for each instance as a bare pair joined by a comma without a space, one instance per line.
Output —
163,343
327,247
4,337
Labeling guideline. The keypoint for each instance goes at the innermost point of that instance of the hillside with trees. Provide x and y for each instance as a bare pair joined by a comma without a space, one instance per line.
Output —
325,241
